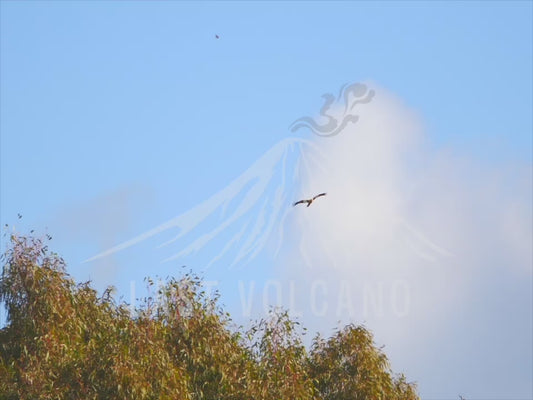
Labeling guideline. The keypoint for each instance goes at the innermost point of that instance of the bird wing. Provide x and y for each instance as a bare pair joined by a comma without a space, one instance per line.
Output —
318,195
299,202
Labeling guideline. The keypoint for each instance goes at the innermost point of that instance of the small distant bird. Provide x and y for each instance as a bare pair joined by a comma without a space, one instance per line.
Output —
217,37
20,216
309,201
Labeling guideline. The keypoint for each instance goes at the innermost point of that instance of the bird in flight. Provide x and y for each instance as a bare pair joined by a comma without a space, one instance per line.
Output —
309,201
217,37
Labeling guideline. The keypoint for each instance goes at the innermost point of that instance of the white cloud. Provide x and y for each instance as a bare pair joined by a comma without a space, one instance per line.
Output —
417,236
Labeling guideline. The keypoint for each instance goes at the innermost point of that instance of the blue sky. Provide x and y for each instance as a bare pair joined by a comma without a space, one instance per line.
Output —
119,116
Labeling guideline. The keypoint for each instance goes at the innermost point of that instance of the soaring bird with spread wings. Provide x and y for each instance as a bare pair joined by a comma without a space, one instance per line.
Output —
309,201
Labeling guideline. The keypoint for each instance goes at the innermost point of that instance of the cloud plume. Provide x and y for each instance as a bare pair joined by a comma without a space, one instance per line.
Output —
437,235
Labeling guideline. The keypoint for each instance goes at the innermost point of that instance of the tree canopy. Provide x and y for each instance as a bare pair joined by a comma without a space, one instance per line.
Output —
64,341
